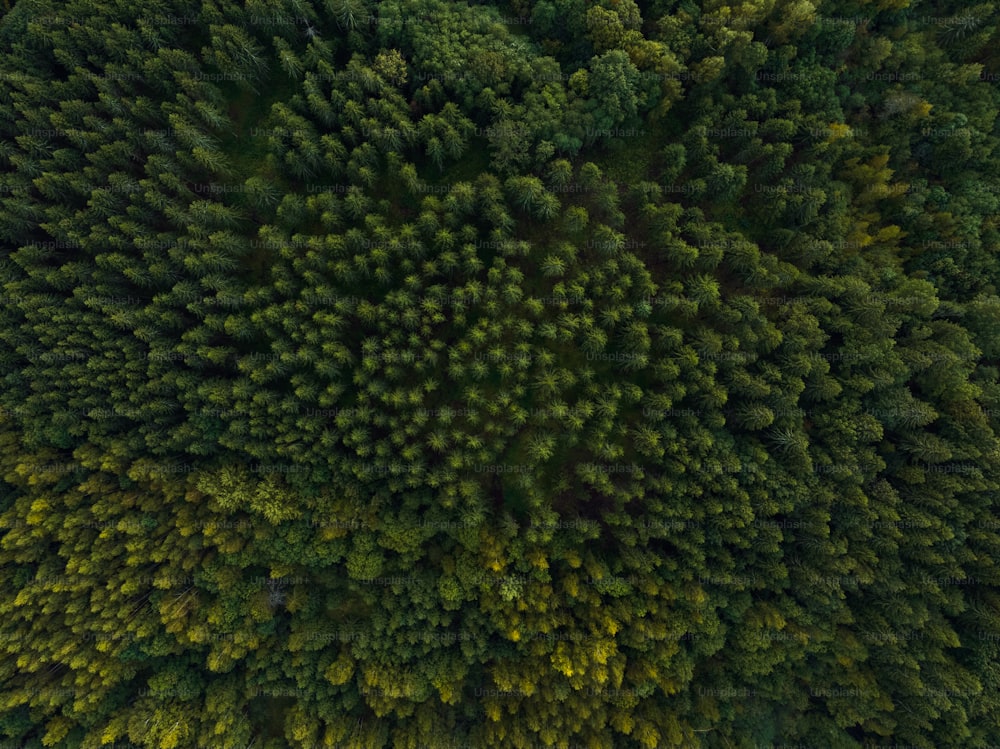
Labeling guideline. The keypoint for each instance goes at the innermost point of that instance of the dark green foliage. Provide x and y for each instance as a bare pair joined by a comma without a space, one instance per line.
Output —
409,374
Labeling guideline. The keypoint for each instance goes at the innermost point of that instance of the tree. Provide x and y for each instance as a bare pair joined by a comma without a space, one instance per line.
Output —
613,84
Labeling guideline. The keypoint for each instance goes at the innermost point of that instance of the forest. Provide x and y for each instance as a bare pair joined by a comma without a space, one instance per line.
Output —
439,374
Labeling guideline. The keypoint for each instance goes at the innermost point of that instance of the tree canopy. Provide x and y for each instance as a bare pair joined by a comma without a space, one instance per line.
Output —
501,374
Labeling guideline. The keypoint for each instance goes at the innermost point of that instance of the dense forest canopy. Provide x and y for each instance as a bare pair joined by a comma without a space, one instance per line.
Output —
570,373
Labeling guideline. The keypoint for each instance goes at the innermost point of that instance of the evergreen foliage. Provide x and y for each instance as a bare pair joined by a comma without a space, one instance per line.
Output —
509,374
